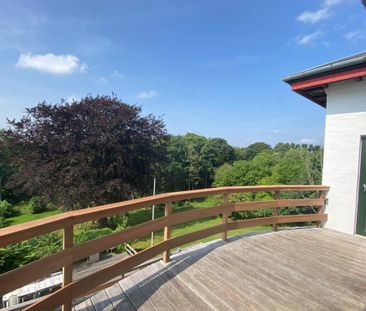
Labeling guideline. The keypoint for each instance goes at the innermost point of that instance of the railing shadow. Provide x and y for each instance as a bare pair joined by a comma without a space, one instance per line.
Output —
178,264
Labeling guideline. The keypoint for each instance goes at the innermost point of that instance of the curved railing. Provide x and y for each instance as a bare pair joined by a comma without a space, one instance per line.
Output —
64,259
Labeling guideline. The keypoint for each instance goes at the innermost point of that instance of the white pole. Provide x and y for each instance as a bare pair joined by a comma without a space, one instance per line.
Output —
153,213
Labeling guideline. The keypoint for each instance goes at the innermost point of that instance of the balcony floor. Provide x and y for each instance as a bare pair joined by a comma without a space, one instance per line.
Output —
305,269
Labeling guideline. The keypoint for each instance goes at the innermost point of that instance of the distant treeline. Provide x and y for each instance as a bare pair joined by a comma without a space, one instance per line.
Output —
99,150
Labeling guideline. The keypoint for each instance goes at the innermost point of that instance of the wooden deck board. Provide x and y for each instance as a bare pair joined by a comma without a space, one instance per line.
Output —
151,292
86,305
135,295
305,269
168,289
194,299
118,298
101,301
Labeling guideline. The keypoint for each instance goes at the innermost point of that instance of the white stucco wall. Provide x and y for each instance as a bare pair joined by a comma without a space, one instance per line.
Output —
345,123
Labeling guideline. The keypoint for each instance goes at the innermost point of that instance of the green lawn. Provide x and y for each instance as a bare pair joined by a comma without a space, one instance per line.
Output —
23,214
181,229
29,217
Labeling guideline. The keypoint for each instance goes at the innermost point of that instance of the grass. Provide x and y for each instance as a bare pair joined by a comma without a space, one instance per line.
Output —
143,215
188,227
185,228
24,215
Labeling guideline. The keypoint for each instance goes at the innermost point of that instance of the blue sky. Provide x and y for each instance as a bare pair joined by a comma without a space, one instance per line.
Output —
209,67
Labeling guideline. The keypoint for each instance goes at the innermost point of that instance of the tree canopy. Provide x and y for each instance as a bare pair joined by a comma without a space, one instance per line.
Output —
91,151
192,161
284,164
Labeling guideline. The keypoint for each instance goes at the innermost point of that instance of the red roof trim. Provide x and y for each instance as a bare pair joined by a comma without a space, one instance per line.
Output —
340,76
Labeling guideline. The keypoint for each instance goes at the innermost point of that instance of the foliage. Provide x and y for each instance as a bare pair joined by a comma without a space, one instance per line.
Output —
192,160
95,150
244,172
6,170
2,222
36,205
119,221
90,234
284,164
19,254
6,209
291,165
253,150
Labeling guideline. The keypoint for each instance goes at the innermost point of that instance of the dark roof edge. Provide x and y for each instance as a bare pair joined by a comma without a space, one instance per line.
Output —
338,64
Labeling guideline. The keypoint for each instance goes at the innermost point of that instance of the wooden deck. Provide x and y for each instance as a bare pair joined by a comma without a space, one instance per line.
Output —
305,269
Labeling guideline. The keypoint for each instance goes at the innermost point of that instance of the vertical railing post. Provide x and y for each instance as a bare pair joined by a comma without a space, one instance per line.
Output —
167,231
276,210
67,269
321,208
225,216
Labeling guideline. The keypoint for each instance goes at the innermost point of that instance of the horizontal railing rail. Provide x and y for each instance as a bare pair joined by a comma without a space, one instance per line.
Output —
71,253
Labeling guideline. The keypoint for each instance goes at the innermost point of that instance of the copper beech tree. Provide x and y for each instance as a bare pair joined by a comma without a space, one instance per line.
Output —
94,150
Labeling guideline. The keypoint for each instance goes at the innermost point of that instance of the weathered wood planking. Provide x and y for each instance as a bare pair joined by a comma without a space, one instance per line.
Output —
300,269
118,298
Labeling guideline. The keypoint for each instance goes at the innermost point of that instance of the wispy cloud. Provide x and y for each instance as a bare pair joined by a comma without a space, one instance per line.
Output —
321,14
147,94
333,2
103,80
117,74
308,141
355,35
315,16
309,39
51,63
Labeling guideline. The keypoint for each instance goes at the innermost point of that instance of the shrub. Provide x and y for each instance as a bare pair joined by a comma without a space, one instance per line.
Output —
6,209
19,254
36,205
118,221
90,234
2,222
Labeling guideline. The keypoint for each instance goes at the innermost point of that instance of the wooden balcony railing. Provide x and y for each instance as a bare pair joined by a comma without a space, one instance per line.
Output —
64,259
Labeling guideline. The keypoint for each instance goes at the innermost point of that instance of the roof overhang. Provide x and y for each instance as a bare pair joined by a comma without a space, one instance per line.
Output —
312,83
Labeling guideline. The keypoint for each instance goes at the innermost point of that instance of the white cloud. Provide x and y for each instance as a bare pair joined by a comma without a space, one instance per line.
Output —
314,17
147,94
308,141
51,63
332,2
309,39
319,15
354,35
116,74
103,80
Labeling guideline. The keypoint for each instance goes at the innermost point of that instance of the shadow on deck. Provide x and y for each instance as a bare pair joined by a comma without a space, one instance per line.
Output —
305,269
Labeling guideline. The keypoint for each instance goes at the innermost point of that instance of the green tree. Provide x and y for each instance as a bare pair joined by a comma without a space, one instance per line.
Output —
192,160
298,167
6,169
246,173
174,176
253,150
